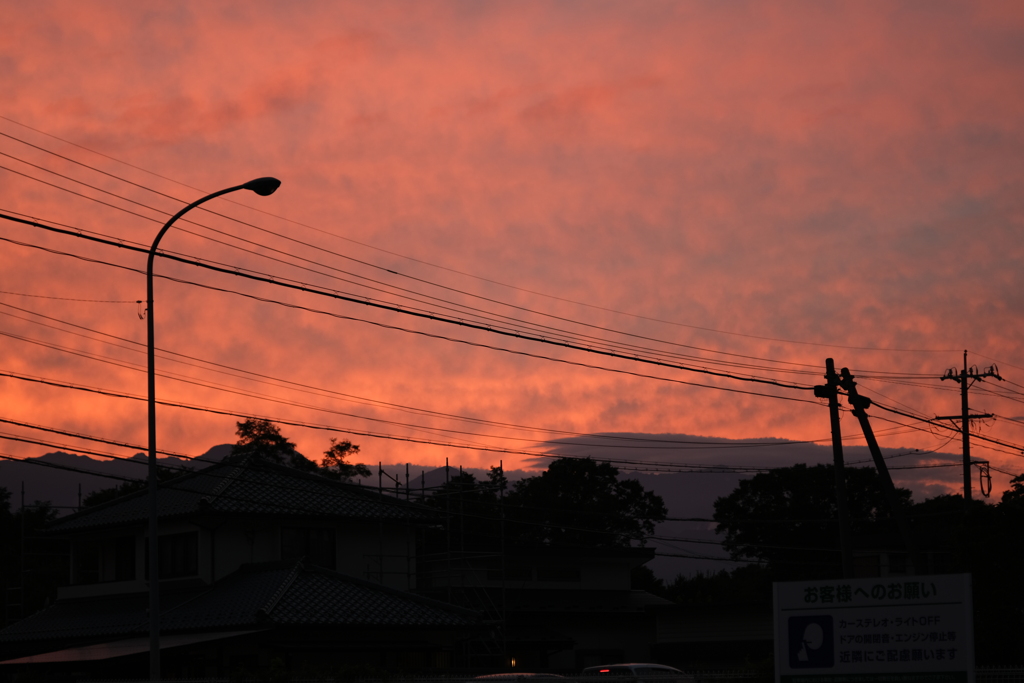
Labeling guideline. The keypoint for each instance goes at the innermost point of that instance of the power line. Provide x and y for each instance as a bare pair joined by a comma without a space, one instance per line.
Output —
172,484
87,437
433,265
62,298
307,425
669,541
677,444
388,270
487,315
629,350
403,329
138,367
490,329
473,310
176,484
68,468
936,423
571,363
315,426
996,360
85,451
233,414
644,465
417,314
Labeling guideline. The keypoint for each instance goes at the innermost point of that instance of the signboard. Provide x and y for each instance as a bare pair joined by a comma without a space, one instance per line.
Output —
902,629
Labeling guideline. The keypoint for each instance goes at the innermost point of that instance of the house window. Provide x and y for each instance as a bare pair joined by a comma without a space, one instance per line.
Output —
179,555
316,545
106,559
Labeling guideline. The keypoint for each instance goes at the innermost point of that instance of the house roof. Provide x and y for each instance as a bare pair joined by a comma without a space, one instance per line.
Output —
120,648
249,487
294,595
108,616
284,594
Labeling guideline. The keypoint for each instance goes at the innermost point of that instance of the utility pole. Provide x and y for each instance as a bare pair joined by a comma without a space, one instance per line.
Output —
504,613
966,377
448,529
860,405
462,513
830,390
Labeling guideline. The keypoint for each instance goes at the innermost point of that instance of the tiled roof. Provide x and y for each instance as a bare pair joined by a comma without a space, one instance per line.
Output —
249,488
109,616
293,595
257,596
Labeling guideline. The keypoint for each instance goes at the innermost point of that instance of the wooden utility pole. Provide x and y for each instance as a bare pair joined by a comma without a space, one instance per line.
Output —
830,391
965,378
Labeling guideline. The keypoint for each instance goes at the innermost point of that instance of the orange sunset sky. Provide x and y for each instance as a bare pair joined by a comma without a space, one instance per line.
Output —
782,182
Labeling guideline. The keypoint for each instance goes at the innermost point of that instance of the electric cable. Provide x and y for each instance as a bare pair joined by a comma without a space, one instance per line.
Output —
678,444
474,311
315,426
944,426
483,279
68,468
668,540
62,298
349,258
88,437
697,443
461,323
736,377
250,394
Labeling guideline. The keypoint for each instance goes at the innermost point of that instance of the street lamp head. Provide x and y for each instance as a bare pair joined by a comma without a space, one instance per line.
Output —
263,186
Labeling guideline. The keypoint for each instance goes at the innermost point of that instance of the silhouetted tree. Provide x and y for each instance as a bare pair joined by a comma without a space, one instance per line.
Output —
473,510
262,440
578,502
575,503
1015,494
751,584
988,545
334,463
787,518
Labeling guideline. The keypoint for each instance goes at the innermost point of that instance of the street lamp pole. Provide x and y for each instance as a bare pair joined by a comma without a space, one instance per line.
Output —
262,187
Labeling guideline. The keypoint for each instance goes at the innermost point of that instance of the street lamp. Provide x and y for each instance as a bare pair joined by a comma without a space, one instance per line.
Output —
262,187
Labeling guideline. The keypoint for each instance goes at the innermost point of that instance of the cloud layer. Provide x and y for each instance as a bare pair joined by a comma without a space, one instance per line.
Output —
846,175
